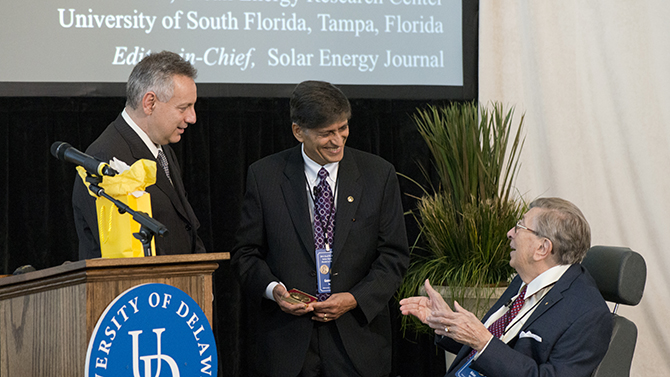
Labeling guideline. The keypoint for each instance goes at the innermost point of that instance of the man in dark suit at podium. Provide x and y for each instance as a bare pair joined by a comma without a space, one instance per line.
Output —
160,99
322,204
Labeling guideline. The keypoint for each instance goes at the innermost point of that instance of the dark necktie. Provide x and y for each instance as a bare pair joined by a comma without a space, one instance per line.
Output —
498,327
501,323
324,219
162,161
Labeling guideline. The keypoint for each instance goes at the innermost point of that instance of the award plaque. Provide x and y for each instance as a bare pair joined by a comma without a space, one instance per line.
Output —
299,297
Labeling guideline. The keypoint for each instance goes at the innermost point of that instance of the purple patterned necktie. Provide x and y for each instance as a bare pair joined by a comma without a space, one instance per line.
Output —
498,327
324,218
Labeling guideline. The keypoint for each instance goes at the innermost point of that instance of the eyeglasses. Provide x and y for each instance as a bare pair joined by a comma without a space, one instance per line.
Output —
518,225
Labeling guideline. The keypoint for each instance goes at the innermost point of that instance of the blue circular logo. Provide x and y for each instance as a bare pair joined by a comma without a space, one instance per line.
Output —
152,330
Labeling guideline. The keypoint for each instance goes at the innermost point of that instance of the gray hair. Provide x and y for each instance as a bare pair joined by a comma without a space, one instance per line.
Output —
155,74
565,225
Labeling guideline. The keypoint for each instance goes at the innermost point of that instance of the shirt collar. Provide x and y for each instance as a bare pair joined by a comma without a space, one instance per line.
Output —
312,169
546,278
140,132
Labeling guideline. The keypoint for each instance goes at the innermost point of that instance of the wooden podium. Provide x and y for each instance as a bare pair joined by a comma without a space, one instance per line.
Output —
47,316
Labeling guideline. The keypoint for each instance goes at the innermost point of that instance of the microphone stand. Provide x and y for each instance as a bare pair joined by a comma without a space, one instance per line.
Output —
149,227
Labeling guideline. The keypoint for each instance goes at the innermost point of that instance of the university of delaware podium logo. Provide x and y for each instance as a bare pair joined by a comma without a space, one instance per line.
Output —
152,330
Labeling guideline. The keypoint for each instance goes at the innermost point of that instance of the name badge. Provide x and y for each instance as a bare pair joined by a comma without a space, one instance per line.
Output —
323,260
466,371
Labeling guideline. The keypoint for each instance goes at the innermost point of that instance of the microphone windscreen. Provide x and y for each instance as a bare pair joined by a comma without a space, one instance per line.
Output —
58,149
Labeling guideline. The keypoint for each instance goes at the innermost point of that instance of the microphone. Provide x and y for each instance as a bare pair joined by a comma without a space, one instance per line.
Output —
65,152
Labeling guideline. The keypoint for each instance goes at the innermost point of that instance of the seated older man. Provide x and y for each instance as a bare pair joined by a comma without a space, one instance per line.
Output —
551,320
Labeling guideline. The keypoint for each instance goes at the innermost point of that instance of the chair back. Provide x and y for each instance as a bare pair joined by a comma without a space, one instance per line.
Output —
620,274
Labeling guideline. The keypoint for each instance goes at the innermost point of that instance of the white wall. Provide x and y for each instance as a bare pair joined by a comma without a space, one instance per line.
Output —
593,78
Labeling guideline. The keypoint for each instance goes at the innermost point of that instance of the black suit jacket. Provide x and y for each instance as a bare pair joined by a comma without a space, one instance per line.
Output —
370,256
169,204
572,327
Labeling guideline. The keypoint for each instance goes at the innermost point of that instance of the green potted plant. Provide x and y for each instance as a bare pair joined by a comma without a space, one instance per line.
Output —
462,244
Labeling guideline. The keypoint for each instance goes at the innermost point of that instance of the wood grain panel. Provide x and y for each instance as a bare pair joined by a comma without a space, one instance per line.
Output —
47,316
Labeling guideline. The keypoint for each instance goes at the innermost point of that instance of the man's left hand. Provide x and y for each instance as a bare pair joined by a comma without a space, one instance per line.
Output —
334,307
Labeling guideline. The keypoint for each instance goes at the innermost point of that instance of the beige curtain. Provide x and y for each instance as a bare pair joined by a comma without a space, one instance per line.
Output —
593,78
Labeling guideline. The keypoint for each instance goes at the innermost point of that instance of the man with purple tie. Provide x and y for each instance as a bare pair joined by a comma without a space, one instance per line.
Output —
551,320
323,220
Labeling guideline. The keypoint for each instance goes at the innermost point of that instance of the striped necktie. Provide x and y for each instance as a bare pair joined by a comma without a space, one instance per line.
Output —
162,161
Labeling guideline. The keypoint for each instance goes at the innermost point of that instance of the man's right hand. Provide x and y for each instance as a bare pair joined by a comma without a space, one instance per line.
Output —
280,291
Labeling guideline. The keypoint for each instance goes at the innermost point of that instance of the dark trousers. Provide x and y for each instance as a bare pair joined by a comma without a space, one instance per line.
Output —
326,356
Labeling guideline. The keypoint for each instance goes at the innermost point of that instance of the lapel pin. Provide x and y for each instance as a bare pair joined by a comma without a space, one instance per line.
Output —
350,199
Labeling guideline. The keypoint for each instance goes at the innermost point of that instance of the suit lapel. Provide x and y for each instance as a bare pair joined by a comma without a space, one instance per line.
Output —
554,295
295,196
348,196
140,151
136,145
175,189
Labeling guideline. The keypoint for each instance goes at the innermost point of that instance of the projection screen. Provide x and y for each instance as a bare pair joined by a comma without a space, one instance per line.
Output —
376,48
